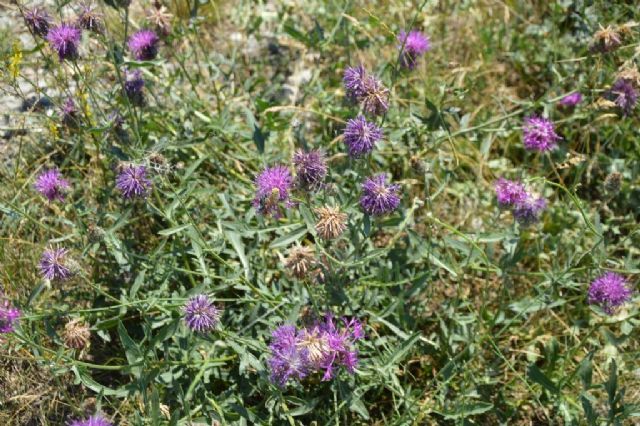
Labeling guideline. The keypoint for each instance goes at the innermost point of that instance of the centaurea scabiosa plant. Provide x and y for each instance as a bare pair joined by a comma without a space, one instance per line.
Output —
609,291
9,316
95,420
144,45
132,181
54,264
311,169
413,44
273,186
361,136
52,185
378,196
200,314
65,40
38,21
539,134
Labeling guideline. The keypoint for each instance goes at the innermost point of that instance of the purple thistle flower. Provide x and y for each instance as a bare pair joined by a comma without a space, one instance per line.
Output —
360,136
200,314
287,359
624,94
133,85
415,45
539,134
132,181
38,21
95,420
509,192
65,40
528,211
8,317
379,197
90,19
311,169
144,45
272,188
609,291
353,81
340,344
571,100
52,185
54,264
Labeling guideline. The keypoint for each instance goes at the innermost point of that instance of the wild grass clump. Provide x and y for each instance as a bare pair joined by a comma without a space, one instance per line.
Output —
318,213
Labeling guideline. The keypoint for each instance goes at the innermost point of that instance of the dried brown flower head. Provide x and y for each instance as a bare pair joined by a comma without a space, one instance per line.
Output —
76,334
300,261
613,182
606,39
331,222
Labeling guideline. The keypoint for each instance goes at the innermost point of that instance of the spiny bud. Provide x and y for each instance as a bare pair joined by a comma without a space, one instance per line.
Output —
612,183
76,334
331,222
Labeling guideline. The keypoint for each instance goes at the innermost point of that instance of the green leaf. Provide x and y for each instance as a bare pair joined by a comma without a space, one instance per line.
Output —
174,230
237,244
536,375
462,411
131,349
286,240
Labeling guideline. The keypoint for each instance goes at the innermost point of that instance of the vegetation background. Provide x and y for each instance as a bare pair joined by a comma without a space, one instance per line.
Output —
469,318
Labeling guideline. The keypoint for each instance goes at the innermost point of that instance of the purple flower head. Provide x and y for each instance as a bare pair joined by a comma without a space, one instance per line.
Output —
375,97
624,94
132,181
133,86
65,39
528,211
378,196
200,314
340,343
95,420
52,185
54,264
272,189
539,134
509,192
609,291
38,21
353,81
70,113
311,169
287,359
413,45
360,136
8,317
144,45
570,101
90,19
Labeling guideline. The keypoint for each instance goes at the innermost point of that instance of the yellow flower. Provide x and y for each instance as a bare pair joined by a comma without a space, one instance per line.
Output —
16,59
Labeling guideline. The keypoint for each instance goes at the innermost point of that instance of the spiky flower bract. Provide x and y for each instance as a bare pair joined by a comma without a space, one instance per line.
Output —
144,45
609,291
509,192
331,222
361,136
95,420
311,169
378,196
624,95
272,189
539,134
38,21
200,314
571,100
9,316
133,182
90,19
65,40
413,44
133,87
52,185
54,264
